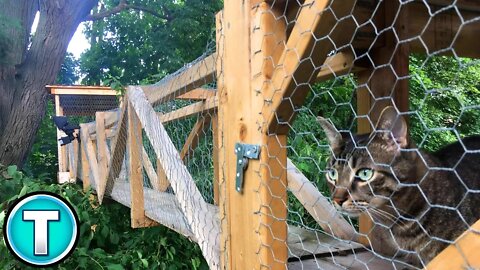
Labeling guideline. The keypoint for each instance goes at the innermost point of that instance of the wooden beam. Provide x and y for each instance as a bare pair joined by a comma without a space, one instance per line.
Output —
149,170
215,154
85,168
336,65
203,223
197,75
308,40
318,206
62,154
194,137
198,94
83,92
102,160
163,183
91,155
198,107
118,146
254,229
134,148
111,119
463,254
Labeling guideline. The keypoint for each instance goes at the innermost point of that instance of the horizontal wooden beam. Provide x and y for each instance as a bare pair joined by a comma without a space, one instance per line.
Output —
199,107
197,75
81,90
198,94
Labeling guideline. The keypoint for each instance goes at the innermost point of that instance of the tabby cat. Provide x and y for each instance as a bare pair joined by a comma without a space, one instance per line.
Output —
418,200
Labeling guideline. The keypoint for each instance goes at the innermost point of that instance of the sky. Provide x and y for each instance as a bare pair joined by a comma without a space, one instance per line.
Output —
77,45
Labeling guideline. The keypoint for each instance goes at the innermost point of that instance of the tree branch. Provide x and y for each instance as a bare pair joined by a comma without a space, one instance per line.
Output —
123,5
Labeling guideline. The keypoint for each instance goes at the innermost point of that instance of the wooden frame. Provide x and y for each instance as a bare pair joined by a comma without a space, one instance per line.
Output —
257,44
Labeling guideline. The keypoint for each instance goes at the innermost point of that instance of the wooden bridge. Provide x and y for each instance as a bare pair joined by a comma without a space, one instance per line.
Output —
268,54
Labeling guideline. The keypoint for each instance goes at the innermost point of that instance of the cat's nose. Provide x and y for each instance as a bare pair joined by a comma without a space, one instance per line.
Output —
340,200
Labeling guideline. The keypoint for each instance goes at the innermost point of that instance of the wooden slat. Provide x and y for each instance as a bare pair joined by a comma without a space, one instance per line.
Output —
198,107
292,76
198,94
85,168
197,75
149,170
134,148
91,155
163,183
102,155
318,206
118,145
194,137
463,254
203,224
215,154
111,119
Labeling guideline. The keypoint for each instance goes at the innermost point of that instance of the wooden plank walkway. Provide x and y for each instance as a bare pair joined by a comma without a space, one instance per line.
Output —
307,249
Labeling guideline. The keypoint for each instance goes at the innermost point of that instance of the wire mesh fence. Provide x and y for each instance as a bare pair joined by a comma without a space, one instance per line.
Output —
318,135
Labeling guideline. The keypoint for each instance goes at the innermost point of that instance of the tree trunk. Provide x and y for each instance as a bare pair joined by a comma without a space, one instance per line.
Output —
29,67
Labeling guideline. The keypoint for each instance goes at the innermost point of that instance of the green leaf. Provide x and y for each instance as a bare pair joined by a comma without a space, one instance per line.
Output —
11,170
115,267
23,191
144,262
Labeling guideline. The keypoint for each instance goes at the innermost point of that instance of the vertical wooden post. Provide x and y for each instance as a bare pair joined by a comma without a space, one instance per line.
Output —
102,150
388,78
255,230
216,167
163,183
85,168
62,153
134,149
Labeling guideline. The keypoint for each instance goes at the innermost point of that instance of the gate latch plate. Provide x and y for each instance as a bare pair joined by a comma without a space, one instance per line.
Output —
244,153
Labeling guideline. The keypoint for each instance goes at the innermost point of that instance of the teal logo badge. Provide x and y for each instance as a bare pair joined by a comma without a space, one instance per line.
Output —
41,229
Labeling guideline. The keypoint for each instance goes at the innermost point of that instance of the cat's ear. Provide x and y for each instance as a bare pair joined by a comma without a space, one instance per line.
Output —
391,121
334,137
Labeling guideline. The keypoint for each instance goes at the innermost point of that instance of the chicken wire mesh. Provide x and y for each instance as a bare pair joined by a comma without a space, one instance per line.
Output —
366,112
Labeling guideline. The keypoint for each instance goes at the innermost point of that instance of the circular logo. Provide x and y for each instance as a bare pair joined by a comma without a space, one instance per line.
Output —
41,229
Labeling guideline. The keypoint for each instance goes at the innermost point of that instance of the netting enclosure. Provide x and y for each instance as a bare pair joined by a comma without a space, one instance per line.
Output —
318,135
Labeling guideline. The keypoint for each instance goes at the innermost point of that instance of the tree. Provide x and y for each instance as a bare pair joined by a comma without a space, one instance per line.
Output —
28,63
143,49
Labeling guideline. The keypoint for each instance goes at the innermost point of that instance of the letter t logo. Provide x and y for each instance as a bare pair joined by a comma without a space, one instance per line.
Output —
40,220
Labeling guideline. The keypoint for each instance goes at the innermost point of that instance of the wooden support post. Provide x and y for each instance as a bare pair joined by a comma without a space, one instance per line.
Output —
163,183
89,149
254,232
388,77
216,165
62,153
134,148
102,155
85,168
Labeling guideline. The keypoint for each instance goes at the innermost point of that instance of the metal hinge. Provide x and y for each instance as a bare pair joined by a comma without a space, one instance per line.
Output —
244,153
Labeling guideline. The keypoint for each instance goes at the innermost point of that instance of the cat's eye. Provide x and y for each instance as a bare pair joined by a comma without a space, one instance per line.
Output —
332,174
365,174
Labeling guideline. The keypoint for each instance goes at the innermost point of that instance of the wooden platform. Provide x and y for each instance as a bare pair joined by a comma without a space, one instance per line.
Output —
307,249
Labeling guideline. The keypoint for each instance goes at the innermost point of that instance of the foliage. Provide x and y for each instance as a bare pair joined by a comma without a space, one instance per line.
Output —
106,239
138,47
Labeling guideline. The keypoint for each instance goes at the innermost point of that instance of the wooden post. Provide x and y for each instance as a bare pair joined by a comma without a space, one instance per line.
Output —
387,78
254,232
134,148
85,168
102,156
216,165
62,153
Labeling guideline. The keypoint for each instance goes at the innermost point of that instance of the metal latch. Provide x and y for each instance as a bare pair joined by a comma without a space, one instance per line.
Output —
244,152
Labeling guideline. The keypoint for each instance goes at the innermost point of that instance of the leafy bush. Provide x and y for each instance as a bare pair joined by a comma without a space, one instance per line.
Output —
106,239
